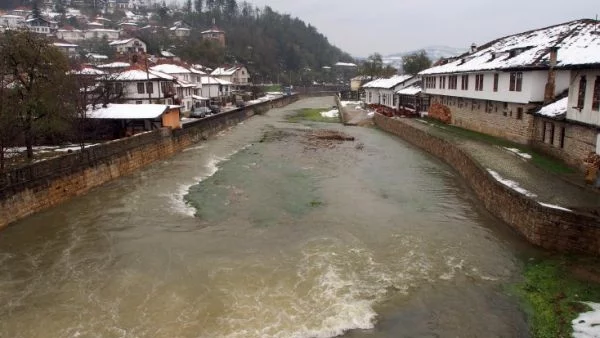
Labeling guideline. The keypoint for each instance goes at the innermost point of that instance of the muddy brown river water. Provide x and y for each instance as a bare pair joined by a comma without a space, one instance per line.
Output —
257,233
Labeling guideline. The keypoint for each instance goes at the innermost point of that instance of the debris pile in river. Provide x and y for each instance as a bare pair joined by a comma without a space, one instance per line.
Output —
325,139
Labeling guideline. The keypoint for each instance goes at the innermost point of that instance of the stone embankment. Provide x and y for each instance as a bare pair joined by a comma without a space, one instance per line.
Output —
33,188
547,227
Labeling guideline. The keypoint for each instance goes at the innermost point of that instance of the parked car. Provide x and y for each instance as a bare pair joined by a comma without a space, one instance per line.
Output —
200,112
215,109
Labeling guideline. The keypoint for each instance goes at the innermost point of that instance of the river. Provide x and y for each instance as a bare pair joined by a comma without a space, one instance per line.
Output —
257,232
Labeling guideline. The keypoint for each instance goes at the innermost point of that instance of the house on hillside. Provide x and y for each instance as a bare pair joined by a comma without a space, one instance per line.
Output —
214,88
496,88
214,34
382,92
70,34
188,84
131,45
102,33
9,21
69,49
237,75
39,25
141,86
180,29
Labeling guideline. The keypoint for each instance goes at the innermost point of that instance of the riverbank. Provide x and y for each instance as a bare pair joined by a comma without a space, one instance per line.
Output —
44,184
548,213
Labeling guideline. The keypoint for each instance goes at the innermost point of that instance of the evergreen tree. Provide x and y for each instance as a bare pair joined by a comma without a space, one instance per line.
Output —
198,5
416,62
35,11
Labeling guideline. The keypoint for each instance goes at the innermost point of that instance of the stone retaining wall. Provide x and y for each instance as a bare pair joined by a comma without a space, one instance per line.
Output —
549,228
33,188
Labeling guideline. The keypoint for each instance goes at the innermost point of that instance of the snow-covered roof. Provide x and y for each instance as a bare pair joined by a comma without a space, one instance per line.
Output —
200,98
140,75
577,44
388,83
167,54
103,30
88,71
196,71
168,68
345,64
557,109
127,111
122,42
114,65
224,72
98,57
410,90
207,80
65,45
213,30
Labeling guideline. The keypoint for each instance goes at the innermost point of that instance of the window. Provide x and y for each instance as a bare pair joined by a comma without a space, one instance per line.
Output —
149,87
140,86
551,133
452,82
479,82
118,88
138,102
465,82
562,137
596,95
516,82
370,97
581,94
442,82
496,77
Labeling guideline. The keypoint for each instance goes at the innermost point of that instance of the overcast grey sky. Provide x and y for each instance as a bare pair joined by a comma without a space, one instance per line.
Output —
362,27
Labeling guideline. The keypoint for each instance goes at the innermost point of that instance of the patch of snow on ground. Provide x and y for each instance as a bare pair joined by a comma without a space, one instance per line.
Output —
511,184
587,325
553,206
332,113
519,153
354,103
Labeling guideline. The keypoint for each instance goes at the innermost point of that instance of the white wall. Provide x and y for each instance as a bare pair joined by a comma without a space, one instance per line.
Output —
533,87
586,115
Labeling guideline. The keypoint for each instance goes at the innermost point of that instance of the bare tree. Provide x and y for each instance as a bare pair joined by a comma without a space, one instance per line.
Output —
40,83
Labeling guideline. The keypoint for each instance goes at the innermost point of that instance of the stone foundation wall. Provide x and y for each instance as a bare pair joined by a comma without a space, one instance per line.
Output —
36,187
549,228
573,148
507,120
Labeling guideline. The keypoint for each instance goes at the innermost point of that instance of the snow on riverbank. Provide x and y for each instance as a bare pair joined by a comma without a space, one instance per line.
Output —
511,184
516,187
331,113
587,325
353,103
519,153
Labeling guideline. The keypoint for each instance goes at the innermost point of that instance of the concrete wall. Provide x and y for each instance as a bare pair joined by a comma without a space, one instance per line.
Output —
33,188
546,227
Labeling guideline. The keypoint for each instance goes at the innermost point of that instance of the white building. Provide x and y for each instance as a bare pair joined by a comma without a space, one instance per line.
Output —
140,86
39,25
238,75
12,21
70,34
100,33
188,84
132,45
383,91
495,88
215,88
69,49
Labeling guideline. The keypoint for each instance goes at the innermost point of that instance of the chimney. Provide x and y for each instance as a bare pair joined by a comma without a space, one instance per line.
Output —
551,84
493,56
473,47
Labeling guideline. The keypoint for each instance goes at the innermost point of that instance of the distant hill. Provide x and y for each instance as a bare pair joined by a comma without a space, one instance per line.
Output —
434,53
